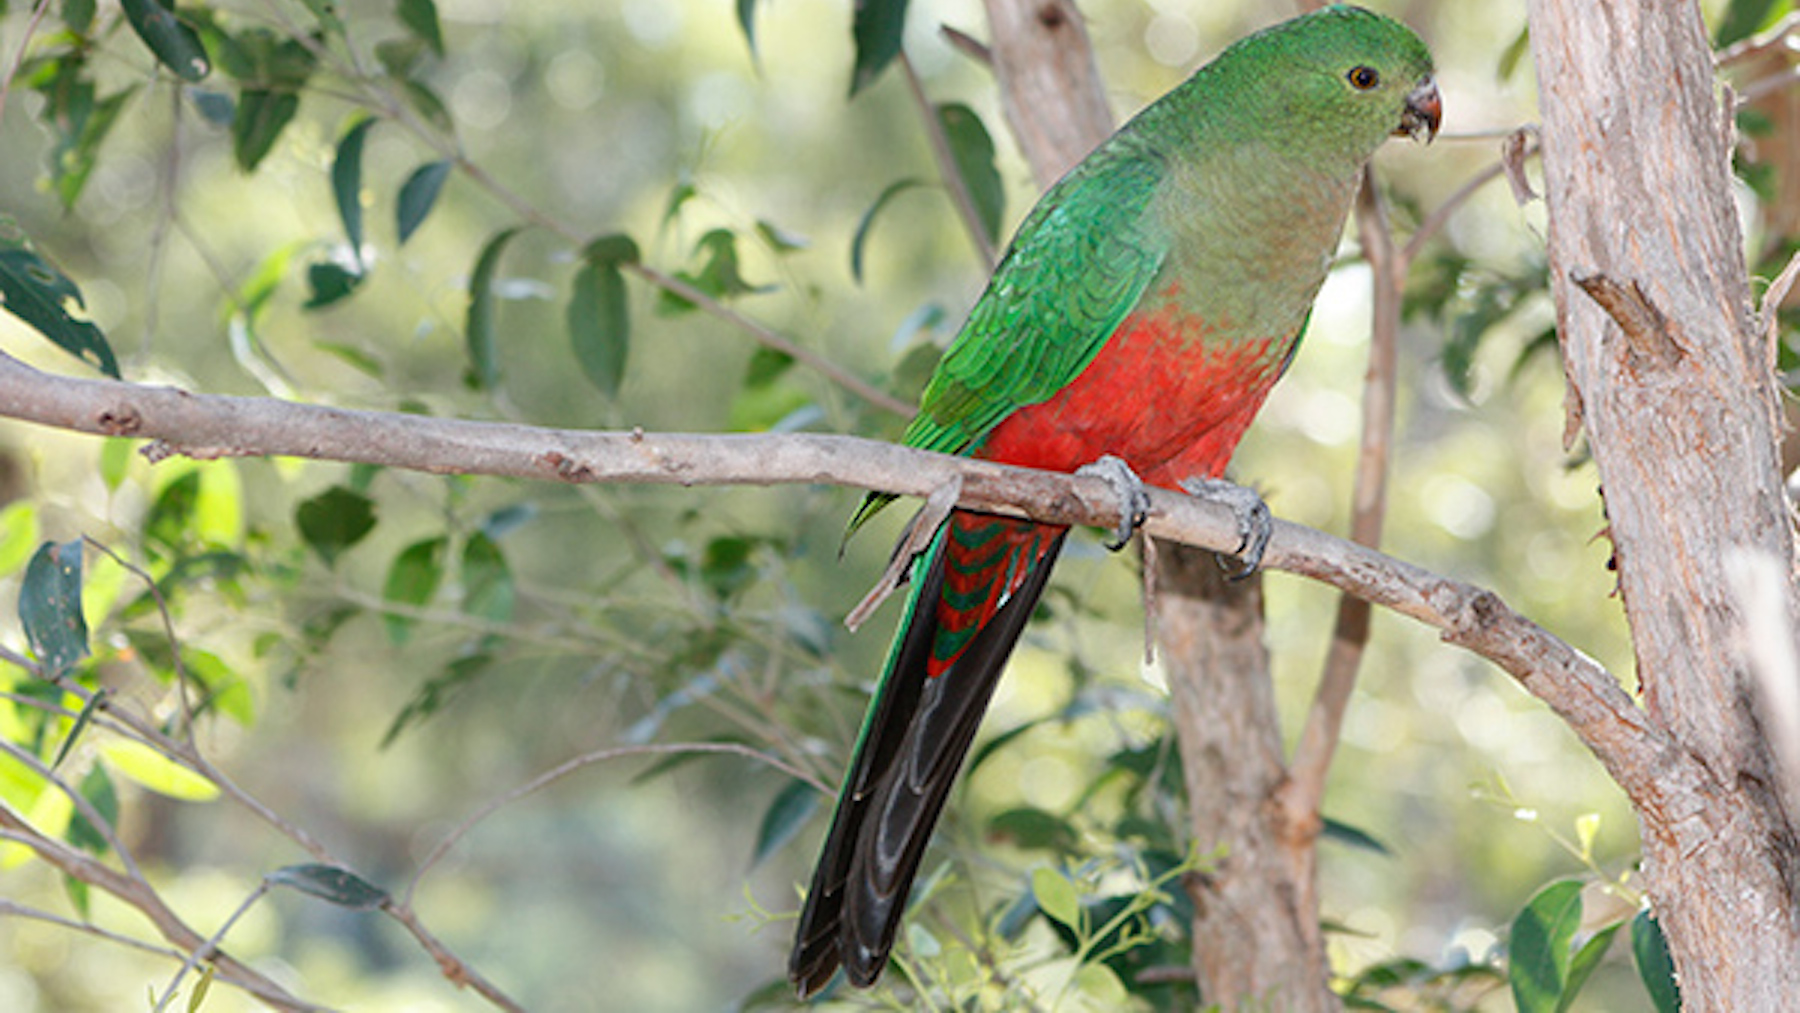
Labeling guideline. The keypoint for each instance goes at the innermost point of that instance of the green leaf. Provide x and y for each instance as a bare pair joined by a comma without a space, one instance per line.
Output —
46,300
334,520
1586,960
418,195
1744,18
1538,947
272,70
1515,51
81,722
599,322
426,103
746,16
176,46
973,151
215,108
330,883
483,366
788,811
354,357
488,589
413,579
719,275
261,117
171,516
329,283
779,239
115,461
98,789
18,535
144,766
50,607
766,366
421,18
727,564
1655,967
399,57
1056,896
867,221
434,692
1344,833
78,119
201,987
878,27
1034,830
346,184
78,15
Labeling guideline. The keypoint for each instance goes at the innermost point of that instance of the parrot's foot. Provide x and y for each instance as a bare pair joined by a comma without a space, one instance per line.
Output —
1134,502
1253,519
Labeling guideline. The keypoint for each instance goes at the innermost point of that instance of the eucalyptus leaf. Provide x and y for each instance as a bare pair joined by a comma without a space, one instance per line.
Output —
330,883
788,812
878,27
50,607
479,332
175,45
1538,947
346,183
418,195
51,304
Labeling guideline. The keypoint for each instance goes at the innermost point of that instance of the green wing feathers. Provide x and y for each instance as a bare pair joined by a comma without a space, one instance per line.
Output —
1078,264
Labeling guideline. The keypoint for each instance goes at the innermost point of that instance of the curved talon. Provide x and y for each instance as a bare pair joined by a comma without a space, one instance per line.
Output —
1255,523
1134,502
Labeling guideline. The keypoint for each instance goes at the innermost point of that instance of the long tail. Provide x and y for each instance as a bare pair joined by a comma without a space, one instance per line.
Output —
981,580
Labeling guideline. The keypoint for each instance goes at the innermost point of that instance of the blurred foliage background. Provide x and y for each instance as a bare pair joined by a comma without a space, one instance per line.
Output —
384,652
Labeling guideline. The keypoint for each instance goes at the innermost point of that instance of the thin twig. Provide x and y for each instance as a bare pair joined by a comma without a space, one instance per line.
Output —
576,763
1440,215
1304,791
211,946
17,910
946,164
18,60
1606,719
137,893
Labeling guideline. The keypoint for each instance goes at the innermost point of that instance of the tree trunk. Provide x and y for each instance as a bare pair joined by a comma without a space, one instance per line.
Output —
1671,378
1257,941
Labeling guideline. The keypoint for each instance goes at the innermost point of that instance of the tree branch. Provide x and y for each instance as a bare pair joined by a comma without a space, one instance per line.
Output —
211,426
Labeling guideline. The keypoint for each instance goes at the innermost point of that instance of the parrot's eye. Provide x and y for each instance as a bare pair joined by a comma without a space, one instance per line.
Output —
1363,78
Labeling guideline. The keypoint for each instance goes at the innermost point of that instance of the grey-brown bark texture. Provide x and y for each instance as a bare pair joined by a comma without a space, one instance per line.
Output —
1671,381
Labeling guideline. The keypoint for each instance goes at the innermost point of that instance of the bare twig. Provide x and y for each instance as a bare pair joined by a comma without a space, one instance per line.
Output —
18,60
211,946
137,893
946,164
17,910
214,425
588,759
1440,215
1304,790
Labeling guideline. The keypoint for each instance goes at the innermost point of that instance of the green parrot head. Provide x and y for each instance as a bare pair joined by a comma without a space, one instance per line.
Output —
1342,73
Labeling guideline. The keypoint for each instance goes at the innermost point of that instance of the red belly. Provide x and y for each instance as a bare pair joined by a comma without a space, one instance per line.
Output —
1165,394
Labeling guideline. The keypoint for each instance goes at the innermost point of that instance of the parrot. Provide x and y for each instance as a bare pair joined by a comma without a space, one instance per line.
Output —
1140,315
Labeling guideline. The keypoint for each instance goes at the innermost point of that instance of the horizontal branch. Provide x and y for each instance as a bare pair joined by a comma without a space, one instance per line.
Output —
1636,752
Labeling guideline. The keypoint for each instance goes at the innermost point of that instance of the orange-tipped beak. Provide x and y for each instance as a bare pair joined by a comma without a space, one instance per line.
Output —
1423,111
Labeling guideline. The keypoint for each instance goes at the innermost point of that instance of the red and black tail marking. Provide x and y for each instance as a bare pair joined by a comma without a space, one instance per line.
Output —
984,577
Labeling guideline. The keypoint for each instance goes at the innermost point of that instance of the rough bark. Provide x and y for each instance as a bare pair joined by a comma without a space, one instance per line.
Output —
1257,942
1670,378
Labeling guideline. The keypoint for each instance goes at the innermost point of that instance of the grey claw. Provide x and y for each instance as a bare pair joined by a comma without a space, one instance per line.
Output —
1134,502
1255,524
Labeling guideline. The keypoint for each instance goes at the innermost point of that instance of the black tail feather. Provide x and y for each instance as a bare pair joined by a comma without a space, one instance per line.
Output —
920,731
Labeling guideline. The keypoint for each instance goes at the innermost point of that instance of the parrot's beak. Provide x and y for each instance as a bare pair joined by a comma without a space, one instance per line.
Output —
1423,111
